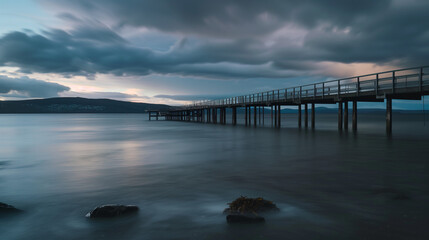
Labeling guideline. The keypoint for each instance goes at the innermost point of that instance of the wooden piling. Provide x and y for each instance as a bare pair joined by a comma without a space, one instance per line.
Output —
354,116
346,115
299,116
214,115
340,116
234,116
306,115
263,116
275,116
313,116
389,115
254,116
272,120
245,116
250,116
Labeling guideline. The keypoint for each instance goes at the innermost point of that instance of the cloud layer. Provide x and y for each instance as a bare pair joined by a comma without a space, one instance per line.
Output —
223,39
28,87
246,40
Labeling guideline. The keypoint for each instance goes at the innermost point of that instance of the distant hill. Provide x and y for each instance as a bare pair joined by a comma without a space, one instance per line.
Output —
77,105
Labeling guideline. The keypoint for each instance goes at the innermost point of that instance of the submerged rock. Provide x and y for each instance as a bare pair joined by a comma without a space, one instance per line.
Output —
245,205
6,208
112,210
247,210
239,218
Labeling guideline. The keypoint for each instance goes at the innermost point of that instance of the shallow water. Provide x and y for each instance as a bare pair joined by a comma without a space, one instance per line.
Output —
328,185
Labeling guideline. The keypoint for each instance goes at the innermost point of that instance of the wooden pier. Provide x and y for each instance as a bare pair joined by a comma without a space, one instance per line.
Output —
409,83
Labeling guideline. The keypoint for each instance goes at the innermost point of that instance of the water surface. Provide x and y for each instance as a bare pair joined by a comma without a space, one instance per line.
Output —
328,185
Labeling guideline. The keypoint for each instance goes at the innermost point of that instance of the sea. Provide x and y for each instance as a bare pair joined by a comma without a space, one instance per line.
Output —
328,184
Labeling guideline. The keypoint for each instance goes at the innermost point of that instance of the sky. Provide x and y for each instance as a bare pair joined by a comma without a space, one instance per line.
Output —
175,52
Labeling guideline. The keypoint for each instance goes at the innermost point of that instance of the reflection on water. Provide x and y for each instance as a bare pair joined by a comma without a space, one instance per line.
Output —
328,185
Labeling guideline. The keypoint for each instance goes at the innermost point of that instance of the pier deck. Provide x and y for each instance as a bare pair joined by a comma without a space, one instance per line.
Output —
409,83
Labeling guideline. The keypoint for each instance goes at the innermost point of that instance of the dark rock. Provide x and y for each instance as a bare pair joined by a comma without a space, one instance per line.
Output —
239,218
245,205
5,208
112,210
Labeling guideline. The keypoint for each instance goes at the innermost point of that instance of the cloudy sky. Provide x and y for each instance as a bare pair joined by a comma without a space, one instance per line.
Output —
178,51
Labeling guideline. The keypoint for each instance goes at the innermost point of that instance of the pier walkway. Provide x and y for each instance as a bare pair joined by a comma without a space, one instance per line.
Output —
409,83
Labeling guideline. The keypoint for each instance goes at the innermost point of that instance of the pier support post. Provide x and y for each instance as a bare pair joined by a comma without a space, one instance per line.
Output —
199,115
299,116
313,116
259,115
272,119
214,110
354,116
245,115
234,116
250,116
346,115
279,114
254,116
275,116
389,115
340,116
306,115
203,115
263,116
224,115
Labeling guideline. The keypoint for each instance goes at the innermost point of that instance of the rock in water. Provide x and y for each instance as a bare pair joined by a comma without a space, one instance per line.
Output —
234,218
112,210
5,208
245,205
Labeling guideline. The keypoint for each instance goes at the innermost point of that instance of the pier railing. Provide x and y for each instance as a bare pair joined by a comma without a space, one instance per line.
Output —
378,84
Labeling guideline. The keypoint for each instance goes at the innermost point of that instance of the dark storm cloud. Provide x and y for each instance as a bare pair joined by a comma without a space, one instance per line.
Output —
61,52
28,87
399,31
224,39
226,17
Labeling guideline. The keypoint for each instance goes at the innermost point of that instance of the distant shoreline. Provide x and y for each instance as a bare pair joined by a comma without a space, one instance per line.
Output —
76,105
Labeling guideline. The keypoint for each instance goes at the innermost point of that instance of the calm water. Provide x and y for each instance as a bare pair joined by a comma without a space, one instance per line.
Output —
328,185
